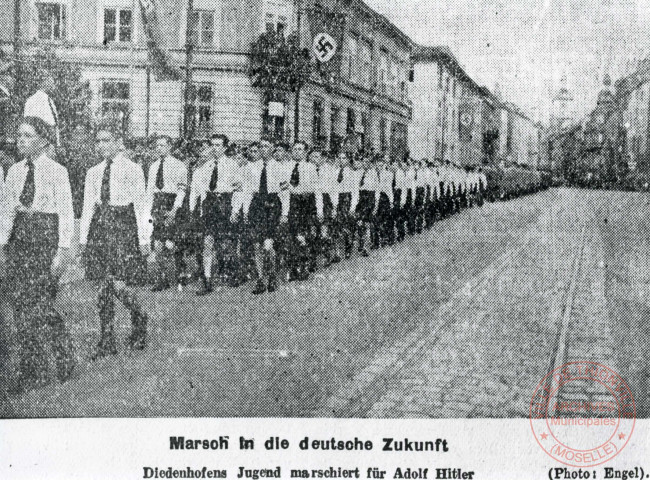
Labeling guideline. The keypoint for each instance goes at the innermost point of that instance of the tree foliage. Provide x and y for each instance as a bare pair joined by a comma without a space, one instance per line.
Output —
279,65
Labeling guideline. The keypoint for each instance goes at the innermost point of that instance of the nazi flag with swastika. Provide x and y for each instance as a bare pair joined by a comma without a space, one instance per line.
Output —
327,25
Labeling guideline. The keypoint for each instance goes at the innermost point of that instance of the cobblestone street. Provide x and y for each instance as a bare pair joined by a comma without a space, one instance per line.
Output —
483,353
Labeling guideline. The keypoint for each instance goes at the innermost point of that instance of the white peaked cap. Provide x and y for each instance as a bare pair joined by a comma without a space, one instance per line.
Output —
40,106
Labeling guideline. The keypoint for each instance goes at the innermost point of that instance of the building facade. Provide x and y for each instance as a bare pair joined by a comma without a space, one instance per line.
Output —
370,102
635,105
106,38
456,119
447,109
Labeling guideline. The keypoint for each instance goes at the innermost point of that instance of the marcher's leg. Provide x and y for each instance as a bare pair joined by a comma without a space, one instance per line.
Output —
138,338
207,259
270,264
62,346
161,282
5,351
26,340
106,303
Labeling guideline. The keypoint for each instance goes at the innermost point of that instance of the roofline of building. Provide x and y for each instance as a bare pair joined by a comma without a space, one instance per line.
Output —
386,23
442,53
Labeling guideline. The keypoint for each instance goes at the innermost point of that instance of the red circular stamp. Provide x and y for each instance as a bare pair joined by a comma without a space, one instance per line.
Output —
582,414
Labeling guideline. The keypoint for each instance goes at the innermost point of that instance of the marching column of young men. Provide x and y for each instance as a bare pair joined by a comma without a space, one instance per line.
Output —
291,206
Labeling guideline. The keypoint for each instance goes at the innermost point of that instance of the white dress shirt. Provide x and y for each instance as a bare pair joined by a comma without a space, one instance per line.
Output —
328,182
308,177
127,186
483,179
229,174
401,184
52,195
175,181
370,183
350,184
276,182
386,183
410,181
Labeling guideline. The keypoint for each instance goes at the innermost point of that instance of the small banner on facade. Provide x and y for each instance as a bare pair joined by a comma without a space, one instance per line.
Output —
327,25
466,114
162,69
324,47
276,109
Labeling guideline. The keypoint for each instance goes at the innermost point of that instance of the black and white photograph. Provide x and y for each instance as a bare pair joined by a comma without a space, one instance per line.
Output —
341,209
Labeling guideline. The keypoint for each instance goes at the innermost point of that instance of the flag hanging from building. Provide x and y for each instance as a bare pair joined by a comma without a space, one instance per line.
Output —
466,114
162,69
327,26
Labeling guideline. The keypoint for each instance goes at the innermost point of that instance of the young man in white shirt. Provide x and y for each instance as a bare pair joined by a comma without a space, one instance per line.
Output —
327,200
167,183
114,235
36,228
212,188
366,207
303,213
399,200
263,185
481,187
347,180
387,183
409,201
420,193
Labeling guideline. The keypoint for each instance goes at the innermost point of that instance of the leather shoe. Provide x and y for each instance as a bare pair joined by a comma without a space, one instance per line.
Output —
260,288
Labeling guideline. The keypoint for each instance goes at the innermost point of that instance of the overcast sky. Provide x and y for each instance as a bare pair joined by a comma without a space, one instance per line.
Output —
488,36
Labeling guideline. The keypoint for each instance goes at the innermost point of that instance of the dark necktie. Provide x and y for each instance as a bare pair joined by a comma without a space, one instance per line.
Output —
215,177
363,178
295,176
416,175
394,180
340,179
264,186
105,195
29,188
160,176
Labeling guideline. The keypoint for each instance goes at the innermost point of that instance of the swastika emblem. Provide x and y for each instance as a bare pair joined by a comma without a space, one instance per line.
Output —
324,47
466,119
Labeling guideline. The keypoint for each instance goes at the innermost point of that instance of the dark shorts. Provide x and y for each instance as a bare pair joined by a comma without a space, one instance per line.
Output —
30,251
264,216
162,203
344,217
345,205
113,245
397,198
384,208
366,206
419,197
215,214
328,208
302,212
408,202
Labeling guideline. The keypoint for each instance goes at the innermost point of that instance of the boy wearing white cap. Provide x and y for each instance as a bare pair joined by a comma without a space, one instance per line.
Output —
41,105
